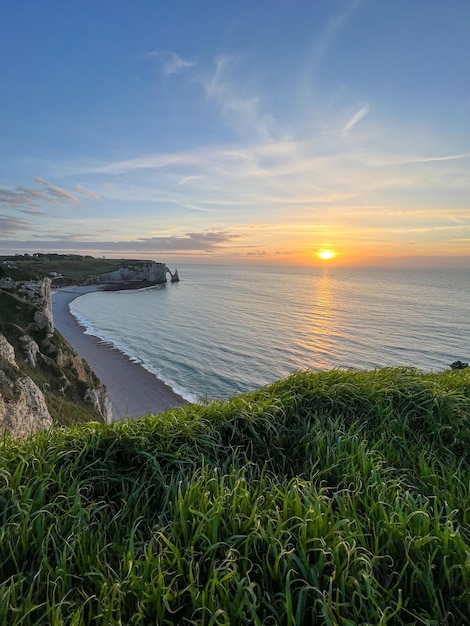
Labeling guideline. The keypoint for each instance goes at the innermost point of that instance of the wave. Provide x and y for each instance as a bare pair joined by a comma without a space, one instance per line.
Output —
89,329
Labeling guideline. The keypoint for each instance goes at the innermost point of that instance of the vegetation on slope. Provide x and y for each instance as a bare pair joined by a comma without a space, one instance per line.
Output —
327,498
60,373
73,268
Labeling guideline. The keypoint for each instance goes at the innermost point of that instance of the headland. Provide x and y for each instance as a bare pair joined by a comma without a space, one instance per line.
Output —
113,386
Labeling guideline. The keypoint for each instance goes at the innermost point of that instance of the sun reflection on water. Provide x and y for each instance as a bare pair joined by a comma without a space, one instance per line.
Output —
318,331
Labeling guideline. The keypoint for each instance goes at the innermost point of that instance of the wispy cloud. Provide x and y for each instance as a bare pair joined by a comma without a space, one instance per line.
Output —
326,39
239,108
13,198
355,119
187,179
195,207
171,62
149,162
258,253
35,212
30,198
57,192
387,159
12,225
24,197
208,241
37,194
86,192
305,178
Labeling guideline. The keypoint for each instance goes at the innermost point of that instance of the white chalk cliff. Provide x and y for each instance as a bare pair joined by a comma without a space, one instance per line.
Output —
148,271
23,408
40,354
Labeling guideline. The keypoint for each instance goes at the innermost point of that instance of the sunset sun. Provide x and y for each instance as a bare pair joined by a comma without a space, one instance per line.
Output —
326,255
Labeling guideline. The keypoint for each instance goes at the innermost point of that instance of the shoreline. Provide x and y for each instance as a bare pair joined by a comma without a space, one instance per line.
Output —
133,390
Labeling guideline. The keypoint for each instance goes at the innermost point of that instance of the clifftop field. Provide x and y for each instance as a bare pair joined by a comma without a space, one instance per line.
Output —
72,268
327,498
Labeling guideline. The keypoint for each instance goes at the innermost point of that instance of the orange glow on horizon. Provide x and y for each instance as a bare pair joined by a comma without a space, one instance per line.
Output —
326,255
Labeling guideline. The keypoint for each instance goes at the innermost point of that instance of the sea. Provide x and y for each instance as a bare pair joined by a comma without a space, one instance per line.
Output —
224,330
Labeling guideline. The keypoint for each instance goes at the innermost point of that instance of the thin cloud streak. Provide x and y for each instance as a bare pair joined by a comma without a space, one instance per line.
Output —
171,62
242,112
272,176
13,198
356,118
57,192
86,192
40,195
326,40
191,242
35,212
30,198
388,160
11,225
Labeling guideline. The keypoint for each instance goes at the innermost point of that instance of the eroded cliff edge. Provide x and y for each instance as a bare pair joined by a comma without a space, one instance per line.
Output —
42,379
73,269
132,271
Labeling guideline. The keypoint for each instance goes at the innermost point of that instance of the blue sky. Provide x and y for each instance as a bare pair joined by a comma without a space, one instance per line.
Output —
238,131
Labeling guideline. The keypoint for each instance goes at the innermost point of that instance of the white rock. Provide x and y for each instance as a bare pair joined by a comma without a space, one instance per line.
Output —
31,349
7,351
27,414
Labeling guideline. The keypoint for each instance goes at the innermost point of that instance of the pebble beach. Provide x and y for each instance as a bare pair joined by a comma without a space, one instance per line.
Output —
133,390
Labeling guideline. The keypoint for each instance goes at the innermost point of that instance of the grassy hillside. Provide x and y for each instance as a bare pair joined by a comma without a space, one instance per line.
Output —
73,267
328,498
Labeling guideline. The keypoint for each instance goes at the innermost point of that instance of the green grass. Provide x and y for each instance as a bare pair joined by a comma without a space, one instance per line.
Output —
328,498
74,267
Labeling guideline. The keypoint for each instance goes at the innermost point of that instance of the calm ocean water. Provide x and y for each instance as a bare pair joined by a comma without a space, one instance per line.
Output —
224,330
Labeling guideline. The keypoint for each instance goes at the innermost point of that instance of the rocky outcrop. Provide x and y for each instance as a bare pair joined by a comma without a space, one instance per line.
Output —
7,283
31,350
458,365
26,412
7,351
96,393
99,398
43,317
23,408
174,277
38,294
148,271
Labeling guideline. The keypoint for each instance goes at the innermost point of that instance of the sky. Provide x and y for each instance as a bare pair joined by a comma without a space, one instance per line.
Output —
237,131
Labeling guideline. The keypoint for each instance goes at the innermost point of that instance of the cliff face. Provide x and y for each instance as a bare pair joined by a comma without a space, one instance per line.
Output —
23,408
38,294
148,271
42,380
